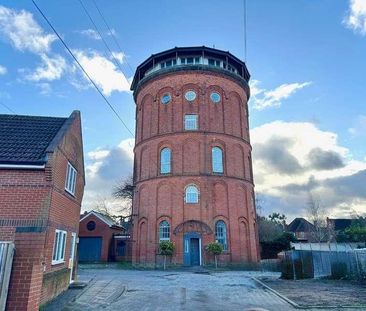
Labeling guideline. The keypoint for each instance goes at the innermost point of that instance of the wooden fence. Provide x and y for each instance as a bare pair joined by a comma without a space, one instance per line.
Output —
6,260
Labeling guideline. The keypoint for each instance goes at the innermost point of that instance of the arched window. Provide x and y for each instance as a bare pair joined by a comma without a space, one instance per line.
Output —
217,163
192,194
220,234
164,231
165,160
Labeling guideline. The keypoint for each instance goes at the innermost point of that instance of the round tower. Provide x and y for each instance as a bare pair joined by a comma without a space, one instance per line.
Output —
193,169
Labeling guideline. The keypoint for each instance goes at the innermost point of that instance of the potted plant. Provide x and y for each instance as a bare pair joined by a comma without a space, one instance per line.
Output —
166,248
214,248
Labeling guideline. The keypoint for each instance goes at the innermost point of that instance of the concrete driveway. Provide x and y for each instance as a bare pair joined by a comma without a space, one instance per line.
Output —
114,289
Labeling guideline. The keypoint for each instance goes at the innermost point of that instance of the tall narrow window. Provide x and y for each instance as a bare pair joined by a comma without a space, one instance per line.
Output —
164,231
217,163
220,234
165,161
190,122
59,246
191,194
70,181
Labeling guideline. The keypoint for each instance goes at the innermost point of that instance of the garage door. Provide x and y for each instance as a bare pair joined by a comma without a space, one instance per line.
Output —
90,249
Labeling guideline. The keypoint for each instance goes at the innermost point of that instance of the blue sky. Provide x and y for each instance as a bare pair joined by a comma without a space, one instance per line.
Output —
306,58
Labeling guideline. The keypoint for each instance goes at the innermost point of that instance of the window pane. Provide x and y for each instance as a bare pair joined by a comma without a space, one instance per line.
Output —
191,194
165,161
164,231
55,246
63,245
190,122
217,164
220,233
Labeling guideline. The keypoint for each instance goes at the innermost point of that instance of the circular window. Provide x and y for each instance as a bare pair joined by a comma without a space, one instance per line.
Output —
215,97
166,99
190,96
91,225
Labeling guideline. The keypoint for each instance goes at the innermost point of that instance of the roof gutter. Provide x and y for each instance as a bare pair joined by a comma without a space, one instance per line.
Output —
23,166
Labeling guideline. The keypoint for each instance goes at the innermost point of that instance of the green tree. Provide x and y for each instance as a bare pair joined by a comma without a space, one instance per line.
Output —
214,248
166,248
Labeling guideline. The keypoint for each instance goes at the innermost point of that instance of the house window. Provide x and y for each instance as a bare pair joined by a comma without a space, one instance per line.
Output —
164,231
91,225
217,163
189,60
165,161
166,99
190,122
190,96
215,97
220,234
168,63
70,181
214,62
191,194
59,246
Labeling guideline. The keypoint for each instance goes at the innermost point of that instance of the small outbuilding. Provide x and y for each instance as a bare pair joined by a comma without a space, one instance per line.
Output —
101,238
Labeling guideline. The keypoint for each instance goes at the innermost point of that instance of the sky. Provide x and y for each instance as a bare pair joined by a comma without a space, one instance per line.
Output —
307,61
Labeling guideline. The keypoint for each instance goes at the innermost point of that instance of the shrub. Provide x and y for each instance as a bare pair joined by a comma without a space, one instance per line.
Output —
166,248
214,248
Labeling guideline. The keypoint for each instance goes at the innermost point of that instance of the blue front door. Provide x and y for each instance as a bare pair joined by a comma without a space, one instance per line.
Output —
195,252
191,244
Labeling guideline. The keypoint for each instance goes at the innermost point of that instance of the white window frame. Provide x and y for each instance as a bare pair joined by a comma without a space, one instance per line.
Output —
217,158
188,195
221,233
59,247
188,122
165,160
70,180
164,231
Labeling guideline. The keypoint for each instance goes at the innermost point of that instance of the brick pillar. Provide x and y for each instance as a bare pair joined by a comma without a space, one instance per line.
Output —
27,273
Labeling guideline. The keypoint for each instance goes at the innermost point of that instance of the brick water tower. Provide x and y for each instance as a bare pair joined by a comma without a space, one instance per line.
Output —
193,168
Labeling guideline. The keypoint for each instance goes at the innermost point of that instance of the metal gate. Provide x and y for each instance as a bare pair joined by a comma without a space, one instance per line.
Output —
6,261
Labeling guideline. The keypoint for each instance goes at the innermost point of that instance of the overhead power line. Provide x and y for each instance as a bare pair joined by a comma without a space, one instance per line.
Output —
7,107
82,68
100,35
112,35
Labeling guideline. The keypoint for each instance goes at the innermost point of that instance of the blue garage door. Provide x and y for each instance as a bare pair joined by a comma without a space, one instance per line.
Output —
90,249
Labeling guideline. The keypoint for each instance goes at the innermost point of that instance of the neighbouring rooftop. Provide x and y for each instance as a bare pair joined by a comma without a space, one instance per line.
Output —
24,139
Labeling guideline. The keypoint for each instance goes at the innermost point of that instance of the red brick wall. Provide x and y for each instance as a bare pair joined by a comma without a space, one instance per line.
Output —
36,198
228,197
101,230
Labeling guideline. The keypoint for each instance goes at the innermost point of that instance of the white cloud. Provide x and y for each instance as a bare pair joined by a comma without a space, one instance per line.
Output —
105,169
356,17
90,33
103,72
290,158
262,98
3,70
119,56
24,33
51,68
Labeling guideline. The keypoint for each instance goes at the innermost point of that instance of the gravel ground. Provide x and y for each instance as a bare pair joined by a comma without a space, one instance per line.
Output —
320,292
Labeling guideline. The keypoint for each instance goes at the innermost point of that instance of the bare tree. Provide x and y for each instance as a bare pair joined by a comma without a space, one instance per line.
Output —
102,207
124,193
316,214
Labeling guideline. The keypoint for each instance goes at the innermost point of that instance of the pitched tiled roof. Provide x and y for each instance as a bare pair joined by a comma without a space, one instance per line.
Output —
300,225
24,139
